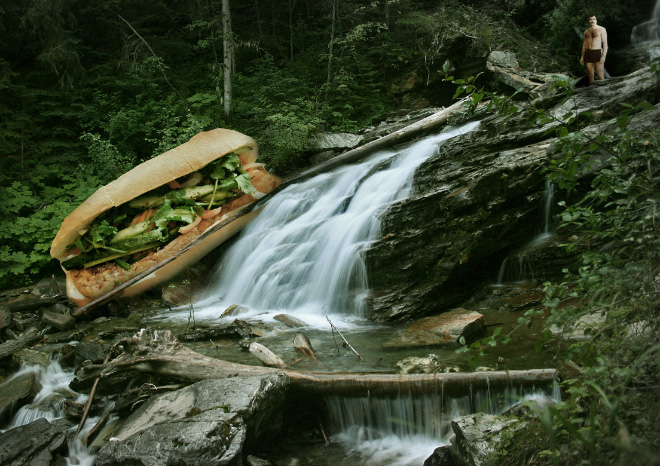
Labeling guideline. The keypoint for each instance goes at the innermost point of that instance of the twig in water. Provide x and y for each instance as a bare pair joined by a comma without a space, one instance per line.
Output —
88,405
342,337
325,436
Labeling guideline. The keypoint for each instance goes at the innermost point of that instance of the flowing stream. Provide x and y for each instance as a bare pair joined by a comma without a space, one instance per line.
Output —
49,404
405,430
303,255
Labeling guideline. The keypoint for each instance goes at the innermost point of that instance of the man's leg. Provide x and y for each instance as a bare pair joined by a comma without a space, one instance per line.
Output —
600,70
590,72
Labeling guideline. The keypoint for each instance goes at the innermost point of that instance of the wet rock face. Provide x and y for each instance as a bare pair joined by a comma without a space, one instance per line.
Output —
38,443
204,423
440,245
478,200
209,439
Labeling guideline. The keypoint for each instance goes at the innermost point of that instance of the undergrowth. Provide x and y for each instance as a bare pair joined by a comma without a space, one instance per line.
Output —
610,413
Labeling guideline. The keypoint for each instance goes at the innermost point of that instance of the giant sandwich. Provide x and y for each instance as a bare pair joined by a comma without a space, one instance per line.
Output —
156,210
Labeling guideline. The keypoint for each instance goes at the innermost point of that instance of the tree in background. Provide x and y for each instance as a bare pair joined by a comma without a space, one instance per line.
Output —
228,62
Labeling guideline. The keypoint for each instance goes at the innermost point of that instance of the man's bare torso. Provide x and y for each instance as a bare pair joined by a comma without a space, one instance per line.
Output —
594,37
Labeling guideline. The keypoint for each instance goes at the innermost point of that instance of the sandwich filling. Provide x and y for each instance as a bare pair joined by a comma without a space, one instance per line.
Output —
125,234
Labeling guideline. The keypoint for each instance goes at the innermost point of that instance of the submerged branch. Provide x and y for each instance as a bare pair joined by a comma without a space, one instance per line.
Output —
335,329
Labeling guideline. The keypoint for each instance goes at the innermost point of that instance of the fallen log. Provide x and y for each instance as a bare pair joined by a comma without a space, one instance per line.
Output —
159,353
419,128
456,383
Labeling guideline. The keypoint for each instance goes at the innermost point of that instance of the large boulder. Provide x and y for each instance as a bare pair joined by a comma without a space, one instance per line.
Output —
35,444
209,438
204,423
477,435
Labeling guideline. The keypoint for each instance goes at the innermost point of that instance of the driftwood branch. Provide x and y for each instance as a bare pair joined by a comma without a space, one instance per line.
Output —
90,399
10,347
335,329
303,346
266,356
97,427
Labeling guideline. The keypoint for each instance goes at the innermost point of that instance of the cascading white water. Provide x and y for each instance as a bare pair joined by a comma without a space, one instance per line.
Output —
647,34
303,253
48,404
407,429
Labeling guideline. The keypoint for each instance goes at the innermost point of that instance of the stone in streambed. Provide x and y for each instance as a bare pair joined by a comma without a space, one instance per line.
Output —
61,322
37,443
204,423
415,365
443,329
18,389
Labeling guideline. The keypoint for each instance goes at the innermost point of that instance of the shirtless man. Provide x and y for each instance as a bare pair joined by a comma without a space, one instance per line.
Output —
594,49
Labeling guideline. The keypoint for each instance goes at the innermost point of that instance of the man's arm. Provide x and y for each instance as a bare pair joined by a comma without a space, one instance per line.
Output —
604,45
584,47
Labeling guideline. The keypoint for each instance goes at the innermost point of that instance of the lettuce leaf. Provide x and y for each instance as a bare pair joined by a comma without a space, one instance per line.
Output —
245,184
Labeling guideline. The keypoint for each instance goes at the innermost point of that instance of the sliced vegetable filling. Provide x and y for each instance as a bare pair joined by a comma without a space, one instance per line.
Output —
123,233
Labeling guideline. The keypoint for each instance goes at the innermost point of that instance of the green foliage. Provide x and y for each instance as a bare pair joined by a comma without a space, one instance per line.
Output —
31,216
612,186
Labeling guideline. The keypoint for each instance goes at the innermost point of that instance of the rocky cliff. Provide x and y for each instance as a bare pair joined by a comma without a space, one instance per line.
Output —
481,198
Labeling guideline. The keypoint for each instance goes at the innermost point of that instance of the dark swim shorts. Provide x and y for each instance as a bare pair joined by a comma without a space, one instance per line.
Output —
592,55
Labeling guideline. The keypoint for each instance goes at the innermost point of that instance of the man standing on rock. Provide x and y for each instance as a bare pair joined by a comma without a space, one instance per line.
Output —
594,49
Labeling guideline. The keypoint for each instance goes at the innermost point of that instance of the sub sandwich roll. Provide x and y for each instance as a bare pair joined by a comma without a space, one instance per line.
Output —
152,212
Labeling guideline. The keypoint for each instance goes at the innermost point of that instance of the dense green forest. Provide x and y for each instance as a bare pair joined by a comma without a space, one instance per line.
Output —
88,89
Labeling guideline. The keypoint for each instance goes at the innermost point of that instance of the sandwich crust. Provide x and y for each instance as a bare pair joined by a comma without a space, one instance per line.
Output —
200,150
88,284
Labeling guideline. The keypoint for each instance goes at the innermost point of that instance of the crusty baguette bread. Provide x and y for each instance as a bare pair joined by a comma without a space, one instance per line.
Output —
202,149
85,285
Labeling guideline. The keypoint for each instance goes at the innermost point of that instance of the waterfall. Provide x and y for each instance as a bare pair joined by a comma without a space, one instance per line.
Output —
303,254
522,265
647,35
549,194
405,430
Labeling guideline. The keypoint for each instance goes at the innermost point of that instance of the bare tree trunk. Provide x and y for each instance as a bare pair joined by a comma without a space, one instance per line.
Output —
292,5
330,47
387,13
256,7
228,45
